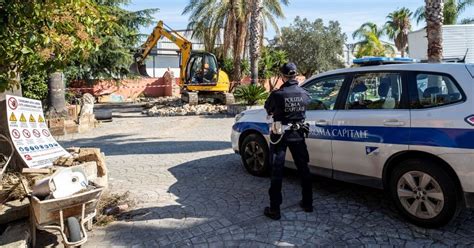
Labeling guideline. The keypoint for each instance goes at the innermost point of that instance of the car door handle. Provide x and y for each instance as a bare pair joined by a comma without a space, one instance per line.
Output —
394,123
322,123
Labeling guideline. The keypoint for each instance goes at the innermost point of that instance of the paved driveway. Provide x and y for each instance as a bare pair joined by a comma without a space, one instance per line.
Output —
192,190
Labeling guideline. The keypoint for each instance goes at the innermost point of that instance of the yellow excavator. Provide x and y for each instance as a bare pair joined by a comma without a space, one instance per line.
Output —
200,76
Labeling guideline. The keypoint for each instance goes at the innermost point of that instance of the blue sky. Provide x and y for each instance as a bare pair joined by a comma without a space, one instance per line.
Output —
350,13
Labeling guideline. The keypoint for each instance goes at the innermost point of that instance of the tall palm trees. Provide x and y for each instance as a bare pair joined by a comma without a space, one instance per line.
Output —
451,12
209,17
397,28
370,45
434,29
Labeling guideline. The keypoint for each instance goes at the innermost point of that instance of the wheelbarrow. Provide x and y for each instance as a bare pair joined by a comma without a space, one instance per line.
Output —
68,215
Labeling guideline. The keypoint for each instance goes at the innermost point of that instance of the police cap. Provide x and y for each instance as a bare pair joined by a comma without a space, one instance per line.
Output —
288,69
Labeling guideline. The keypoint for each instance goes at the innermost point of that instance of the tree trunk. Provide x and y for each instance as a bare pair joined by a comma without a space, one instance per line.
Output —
434,30
57,95
239,43
228,34
16,163
255,39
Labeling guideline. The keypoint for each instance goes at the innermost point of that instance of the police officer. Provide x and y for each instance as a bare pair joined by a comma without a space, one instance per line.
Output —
288,106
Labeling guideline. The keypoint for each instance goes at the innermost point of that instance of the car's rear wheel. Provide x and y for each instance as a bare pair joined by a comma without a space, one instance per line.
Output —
425,193
254,153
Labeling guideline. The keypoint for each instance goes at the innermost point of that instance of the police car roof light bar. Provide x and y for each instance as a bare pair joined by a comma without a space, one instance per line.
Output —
383,61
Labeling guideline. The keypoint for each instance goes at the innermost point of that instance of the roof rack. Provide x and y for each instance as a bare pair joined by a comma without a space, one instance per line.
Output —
367,61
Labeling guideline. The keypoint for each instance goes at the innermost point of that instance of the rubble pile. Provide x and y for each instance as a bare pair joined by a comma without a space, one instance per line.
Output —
91,160
169,106
112,206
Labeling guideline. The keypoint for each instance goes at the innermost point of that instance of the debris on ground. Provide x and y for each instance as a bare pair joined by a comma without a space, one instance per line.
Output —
11,188
111,206
172,106
90,160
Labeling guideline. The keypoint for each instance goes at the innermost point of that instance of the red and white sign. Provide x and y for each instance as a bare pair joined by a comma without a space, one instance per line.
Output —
26,133
15,134
12,103
36,147
36,133
46,133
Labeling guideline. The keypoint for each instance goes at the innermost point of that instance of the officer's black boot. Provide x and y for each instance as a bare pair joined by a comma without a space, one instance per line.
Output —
307,209
272,214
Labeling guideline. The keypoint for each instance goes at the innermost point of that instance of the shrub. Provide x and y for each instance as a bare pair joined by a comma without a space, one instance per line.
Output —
251,94
227,65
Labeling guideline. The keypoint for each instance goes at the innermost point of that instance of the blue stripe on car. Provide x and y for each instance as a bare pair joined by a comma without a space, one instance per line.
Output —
260,127
437,137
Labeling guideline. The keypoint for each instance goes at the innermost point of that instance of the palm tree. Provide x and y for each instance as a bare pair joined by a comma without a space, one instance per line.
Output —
451,12
233,16
370,45
397,28
255,37
434,29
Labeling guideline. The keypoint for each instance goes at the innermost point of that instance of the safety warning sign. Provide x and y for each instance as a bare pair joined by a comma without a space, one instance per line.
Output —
22,118
13,117
31,136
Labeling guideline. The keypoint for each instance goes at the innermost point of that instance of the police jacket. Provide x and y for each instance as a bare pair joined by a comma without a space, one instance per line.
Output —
288,104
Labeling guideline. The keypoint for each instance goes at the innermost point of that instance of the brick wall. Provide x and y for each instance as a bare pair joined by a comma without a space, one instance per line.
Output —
127,89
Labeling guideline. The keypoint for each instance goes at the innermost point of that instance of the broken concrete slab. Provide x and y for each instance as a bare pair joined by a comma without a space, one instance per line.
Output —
17,235
94,154
13,211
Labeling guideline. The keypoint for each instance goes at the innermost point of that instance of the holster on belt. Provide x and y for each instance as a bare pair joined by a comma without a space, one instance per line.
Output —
302,128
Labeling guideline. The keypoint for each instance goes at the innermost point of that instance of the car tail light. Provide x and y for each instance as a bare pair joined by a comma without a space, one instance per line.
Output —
470,120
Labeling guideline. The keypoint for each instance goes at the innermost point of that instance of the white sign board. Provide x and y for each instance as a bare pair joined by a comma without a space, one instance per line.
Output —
30,134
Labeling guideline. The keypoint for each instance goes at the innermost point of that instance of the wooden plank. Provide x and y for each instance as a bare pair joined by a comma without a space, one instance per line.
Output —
35,171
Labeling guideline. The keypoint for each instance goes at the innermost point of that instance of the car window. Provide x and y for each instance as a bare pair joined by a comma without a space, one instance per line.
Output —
375,91
324,92
435,90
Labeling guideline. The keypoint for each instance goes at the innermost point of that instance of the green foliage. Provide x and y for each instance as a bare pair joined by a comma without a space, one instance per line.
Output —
270,62
84,38
209,17
35,86
397,28
451,12
251,94
370,43
118,38
269,65
227,66
312,46
45,36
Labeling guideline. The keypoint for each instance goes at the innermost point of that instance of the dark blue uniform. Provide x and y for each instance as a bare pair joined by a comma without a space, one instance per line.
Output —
288,105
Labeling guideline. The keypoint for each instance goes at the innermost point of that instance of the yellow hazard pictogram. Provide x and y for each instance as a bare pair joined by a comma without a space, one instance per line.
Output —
40,119
22,118
32,119
13,117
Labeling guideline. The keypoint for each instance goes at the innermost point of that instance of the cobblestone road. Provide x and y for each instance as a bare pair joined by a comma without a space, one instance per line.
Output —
192,190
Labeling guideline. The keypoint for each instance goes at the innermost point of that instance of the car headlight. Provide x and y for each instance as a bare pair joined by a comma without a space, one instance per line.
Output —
239,116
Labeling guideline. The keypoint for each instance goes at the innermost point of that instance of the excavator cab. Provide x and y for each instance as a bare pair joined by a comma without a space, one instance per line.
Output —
202,69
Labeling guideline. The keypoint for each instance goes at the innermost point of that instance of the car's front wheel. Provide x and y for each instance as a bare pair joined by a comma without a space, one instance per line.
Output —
254,153
425,193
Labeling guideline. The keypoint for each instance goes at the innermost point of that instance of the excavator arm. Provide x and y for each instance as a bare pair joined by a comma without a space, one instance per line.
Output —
185,48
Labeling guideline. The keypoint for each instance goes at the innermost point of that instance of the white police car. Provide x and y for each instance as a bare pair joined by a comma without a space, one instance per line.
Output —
406,128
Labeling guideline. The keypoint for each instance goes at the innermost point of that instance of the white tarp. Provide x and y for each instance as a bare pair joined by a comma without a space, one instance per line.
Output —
30,134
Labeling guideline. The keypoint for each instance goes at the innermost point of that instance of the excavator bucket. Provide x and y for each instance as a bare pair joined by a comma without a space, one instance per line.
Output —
139,69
